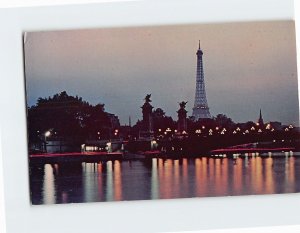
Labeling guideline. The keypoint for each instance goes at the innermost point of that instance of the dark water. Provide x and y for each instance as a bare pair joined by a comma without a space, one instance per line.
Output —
160,179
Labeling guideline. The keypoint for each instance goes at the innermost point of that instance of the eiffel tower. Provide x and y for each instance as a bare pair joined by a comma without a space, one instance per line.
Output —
200,109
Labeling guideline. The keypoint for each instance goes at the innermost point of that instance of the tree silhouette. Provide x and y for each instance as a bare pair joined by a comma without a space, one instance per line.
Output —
161,121
68,117
223,121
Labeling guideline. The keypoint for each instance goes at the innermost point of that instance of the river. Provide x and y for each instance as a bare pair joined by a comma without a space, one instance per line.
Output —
163,179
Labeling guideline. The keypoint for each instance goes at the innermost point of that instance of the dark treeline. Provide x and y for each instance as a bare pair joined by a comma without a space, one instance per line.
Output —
69,117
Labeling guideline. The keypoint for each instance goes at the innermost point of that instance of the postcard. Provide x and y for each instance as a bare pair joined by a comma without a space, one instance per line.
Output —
162,112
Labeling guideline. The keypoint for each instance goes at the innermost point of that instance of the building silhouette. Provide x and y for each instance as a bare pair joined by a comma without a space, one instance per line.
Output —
200,109
260,121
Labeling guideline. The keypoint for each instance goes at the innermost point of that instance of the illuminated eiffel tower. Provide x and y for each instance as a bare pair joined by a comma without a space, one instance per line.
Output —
200,109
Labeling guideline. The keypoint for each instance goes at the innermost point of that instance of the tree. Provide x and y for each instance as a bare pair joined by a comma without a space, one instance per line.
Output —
161,121
223,121
69,117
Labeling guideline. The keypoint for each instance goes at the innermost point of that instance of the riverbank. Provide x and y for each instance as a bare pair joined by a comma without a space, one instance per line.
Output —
94,157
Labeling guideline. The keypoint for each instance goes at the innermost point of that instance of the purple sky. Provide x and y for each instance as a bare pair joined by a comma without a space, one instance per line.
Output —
247,66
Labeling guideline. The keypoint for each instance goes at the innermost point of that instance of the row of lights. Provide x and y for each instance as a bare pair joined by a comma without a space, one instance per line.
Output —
238,129
197,131
116,131
168,130
47,133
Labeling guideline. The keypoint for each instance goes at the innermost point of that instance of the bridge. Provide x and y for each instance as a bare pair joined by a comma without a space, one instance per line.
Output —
89,157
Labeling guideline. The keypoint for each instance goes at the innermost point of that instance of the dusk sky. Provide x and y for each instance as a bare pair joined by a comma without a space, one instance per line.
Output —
247,66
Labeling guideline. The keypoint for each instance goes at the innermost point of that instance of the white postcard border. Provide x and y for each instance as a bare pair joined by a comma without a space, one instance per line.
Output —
133,216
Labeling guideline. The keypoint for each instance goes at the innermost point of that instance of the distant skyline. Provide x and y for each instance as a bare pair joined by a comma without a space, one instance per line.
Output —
247,67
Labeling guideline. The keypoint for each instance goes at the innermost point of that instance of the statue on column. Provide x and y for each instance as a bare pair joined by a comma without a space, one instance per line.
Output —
147,98
147,117
182,118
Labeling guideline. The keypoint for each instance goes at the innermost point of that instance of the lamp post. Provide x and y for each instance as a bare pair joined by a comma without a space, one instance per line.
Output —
47,134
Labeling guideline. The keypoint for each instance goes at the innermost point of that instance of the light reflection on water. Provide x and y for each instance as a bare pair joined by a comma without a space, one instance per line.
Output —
48,187
163,178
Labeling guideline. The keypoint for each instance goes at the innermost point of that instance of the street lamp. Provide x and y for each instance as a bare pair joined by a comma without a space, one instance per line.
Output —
47,134
116,132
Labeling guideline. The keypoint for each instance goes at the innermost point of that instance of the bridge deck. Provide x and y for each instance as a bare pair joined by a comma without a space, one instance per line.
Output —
74,157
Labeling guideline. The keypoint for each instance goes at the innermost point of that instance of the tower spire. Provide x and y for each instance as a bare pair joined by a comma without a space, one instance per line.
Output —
199,45
260,116
260,119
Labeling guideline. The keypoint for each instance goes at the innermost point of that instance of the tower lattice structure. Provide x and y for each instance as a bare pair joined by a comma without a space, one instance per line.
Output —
200,109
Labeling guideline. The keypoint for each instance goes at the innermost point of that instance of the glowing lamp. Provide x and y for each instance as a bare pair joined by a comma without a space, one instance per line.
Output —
47,134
